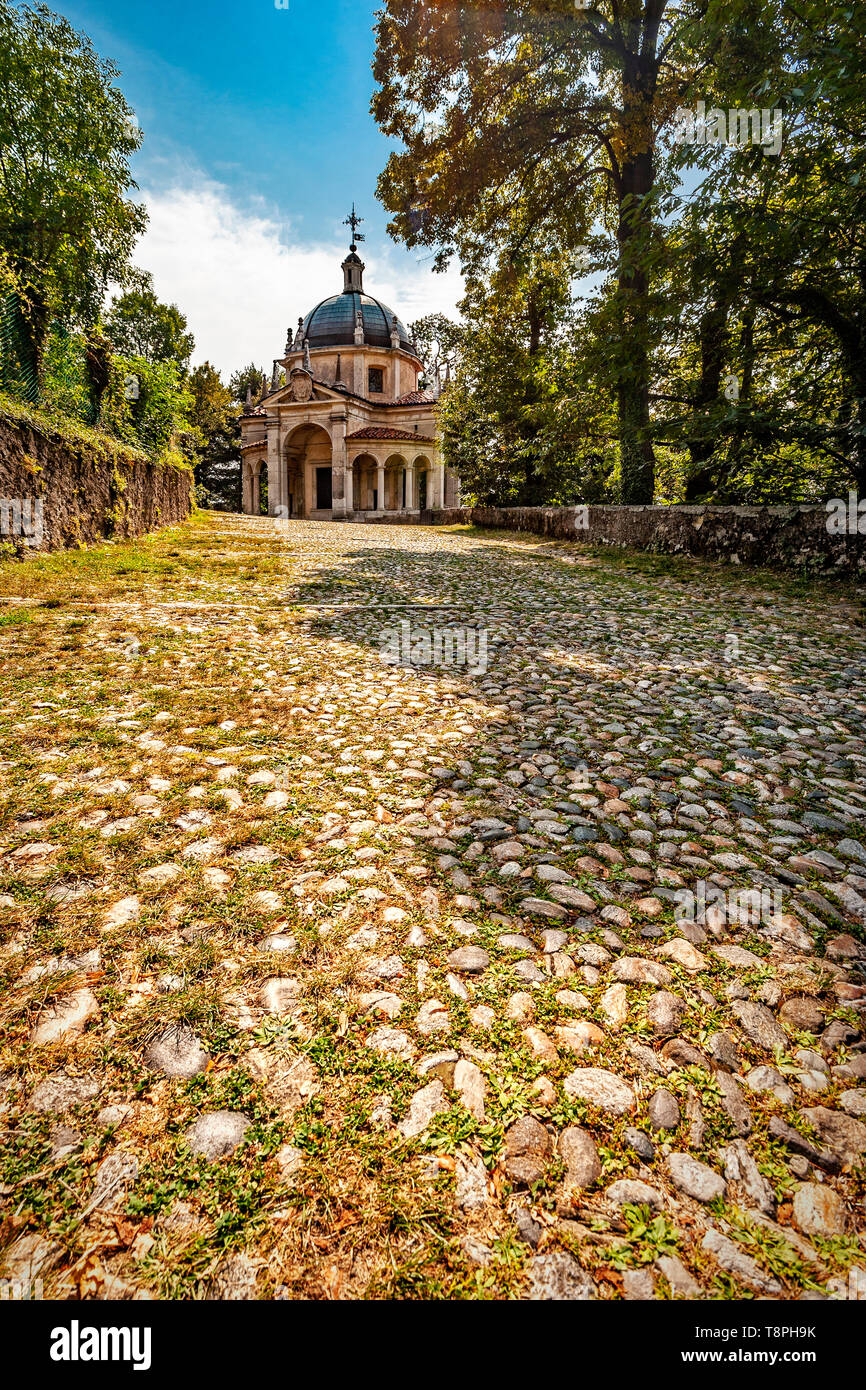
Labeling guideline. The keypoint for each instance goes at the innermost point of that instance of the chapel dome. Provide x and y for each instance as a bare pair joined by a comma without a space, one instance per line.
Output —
332,322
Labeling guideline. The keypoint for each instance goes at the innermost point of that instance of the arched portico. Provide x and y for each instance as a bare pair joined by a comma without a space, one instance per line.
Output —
365,483
253,495
387,480
396,495
308,461
423,469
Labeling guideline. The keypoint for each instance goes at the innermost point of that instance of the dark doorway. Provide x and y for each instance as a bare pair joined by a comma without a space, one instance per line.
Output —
422,491
324,495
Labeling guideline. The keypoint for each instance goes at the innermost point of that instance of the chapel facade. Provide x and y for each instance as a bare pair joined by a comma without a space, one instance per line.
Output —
345,431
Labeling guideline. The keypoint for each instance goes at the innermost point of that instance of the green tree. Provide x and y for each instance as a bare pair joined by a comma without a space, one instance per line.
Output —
139,325
553,110
247,379
765,277
438,341
67,223
215,417
513,426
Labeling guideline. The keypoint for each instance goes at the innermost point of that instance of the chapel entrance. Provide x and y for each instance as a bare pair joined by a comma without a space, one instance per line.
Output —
324,489
308,475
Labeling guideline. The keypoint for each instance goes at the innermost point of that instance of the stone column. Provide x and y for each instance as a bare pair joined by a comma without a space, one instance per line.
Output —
380,487
276,497
246,498
255,500
410,487
439,489
338,467
350,487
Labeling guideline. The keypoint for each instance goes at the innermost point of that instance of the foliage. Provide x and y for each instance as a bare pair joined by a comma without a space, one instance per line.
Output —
17,372
248,378
102,446
157,421
552,111
514,428
139,325
67,224
215,418
719,349
772,253
162,411
66,386
438,340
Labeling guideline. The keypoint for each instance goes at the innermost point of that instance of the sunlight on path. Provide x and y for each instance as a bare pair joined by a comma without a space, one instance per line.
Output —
537,974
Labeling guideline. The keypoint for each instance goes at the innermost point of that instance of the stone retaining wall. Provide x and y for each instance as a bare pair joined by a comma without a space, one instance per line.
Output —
57,491
791,538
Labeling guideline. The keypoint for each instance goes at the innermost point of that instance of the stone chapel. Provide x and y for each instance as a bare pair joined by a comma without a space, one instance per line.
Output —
344,431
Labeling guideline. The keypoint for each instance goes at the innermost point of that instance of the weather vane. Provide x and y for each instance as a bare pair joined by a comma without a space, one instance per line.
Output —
354,222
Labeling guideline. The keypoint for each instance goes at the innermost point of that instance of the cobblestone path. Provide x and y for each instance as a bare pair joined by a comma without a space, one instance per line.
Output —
323,976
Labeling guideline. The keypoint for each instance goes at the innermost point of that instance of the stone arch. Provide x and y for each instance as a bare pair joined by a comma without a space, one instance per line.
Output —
308,455
365,482
396,469
263,479
422,466
252,494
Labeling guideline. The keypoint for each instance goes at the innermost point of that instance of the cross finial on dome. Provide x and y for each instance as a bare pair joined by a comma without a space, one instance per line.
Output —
354,221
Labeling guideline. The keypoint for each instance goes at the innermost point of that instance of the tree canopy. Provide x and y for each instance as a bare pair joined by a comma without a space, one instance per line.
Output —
722,320
139,325
68,222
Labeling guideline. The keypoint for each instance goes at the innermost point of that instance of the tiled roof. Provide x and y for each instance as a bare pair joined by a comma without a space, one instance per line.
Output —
255,443
386,432
416,398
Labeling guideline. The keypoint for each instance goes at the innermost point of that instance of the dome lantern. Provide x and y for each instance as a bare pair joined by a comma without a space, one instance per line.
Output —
353,274
353,318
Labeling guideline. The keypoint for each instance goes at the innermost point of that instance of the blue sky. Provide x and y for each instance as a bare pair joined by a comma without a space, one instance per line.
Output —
258,136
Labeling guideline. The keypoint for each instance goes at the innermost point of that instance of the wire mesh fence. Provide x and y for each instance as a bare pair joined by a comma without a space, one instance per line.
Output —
18,376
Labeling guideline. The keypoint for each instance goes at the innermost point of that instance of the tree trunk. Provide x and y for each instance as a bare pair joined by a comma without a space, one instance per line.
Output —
36,322
855,353
713,339
98,357
530,493
858,451
634,231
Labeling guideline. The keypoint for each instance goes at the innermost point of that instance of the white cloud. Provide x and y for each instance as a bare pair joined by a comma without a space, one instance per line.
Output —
242,280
